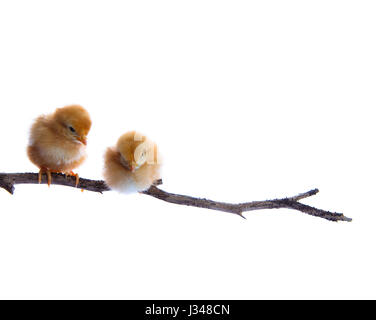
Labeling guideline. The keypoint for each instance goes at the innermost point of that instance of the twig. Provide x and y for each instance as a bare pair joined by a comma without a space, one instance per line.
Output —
8,180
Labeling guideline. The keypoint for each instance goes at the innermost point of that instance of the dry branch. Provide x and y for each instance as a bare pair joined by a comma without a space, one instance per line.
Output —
8,180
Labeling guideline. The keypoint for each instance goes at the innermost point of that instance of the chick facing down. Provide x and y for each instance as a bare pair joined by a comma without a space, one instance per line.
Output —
133,164
57,141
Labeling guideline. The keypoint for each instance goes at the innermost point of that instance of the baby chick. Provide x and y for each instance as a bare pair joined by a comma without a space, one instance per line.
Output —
132,165
58,141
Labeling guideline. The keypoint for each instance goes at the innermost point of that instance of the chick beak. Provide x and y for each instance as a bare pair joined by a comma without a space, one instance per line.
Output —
133,168
82,139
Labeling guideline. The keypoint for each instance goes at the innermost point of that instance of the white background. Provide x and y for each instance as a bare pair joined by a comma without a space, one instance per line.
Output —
248,100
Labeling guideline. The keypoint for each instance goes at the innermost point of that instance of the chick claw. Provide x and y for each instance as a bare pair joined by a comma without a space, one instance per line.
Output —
40,176
71,173
49,178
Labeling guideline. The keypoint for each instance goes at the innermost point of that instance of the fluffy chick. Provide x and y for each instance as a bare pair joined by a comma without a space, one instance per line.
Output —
133,164
57,141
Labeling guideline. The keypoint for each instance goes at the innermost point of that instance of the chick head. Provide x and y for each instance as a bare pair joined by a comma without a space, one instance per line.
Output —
74,122
135,150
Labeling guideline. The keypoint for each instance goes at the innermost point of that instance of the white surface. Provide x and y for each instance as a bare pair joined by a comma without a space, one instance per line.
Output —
248,101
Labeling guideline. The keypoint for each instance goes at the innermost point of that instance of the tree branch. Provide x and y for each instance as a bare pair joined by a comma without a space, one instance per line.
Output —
8,180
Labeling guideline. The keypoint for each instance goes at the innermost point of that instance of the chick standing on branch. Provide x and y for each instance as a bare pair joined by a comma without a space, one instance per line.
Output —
132,165
58,141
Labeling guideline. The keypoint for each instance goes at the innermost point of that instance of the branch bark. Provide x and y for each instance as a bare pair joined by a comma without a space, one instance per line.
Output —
8,180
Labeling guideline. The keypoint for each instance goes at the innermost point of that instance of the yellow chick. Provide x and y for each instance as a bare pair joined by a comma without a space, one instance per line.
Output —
57,141
133,164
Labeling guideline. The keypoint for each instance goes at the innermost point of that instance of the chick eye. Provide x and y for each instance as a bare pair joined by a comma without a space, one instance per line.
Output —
72,129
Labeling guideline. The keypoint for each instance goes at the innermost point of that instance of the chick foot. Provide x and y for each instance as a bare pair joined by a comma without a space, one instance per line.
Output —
72,174
48,173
